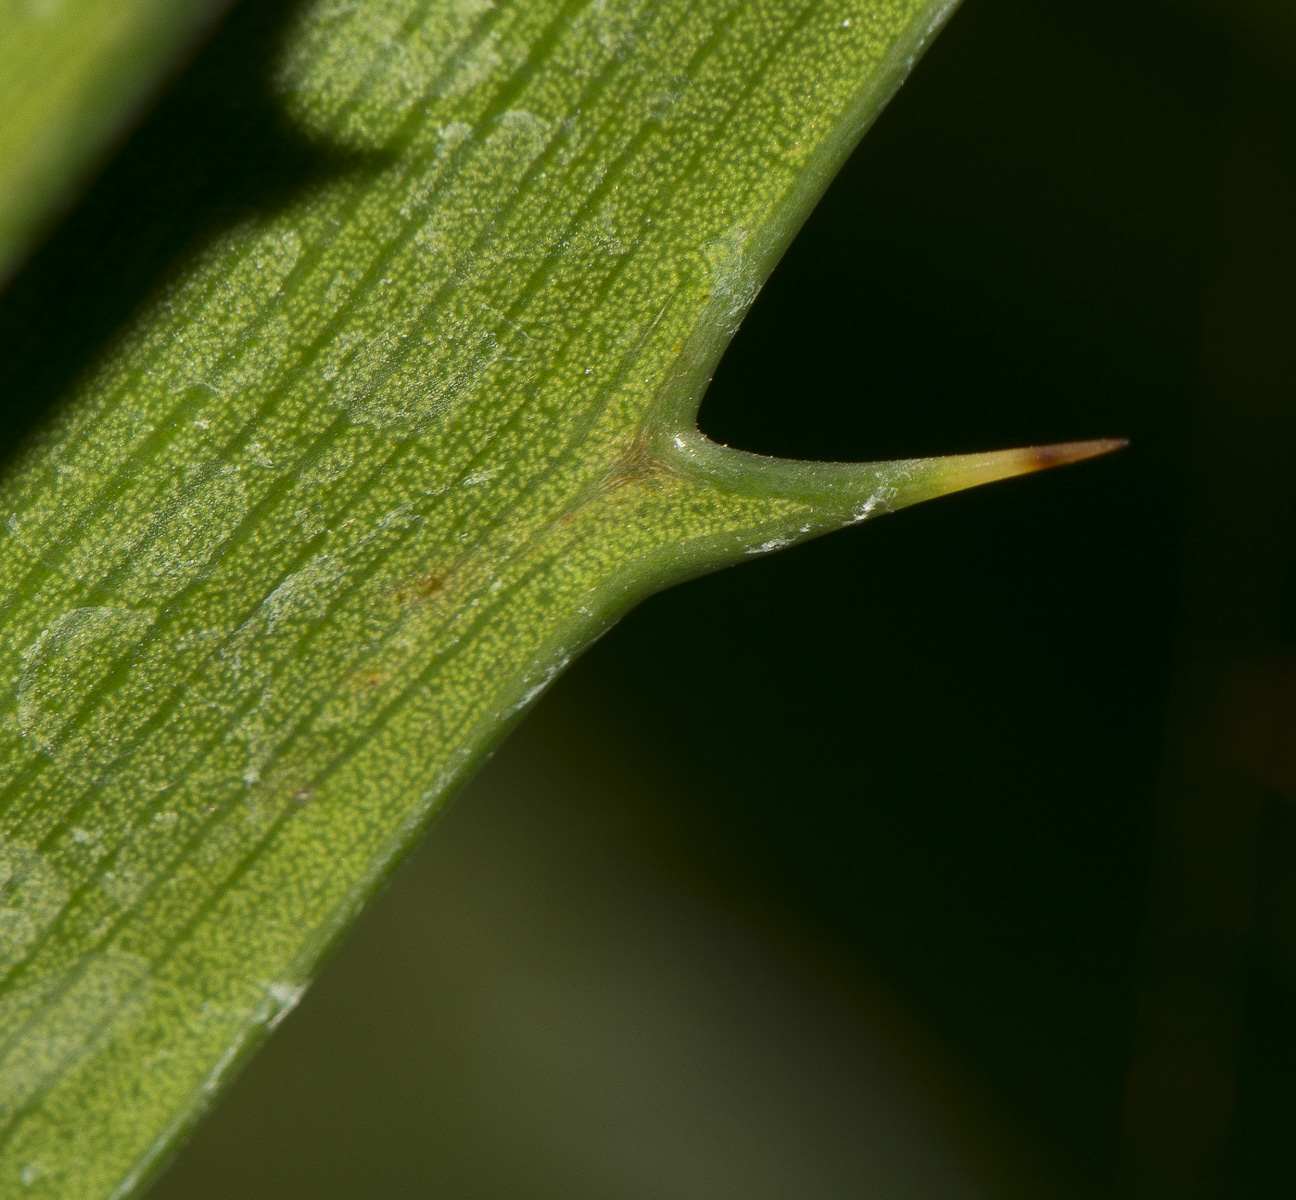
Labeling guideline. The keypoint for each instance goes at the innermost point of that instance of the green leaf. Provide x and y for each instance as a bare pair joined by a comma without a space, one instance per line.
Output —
362,479
72,72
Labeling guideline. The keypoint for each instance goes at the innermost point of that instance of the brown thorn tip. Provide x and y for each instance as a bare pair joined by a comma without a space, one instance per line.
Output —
1061,453
957,472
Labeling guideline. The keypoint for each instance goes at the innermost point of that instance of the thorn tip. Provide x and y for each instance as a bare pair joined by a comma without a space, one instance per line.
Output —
1061,453
961,471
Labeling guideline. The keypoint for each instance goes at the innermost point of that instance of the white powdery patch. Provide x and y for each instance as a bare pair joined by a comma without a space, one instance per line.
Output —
880,500
285,997
776,543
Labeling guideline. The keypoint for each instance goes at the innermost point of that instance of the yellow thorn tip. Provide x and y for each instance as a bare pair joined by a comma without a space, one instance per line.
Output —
970,470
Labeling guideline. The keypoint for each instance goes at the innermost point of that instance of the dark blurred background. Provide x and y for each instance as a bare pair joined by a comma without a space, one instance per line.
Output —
953,855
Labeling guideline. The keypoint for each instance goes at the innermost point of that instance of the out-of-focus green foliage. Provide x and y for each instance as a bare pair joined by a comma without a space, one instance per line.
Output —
72,72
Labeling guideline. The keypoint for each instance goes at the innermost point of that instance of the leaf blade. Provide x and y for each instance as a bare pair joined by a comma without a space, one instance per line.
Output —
348,494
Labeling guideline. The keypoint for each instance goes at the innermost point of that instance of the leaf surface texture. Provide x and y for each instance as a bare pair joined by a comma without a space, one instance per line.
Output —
356,485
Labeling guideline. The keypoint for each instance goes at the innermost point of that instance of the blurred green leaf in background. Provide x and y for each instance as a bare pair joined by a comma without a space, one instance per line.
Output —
72,74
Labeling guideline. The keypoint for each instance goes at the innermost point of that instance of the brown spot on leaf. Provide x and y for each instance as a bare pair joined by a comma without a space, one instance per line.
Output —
423,588
636,464
1058,455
